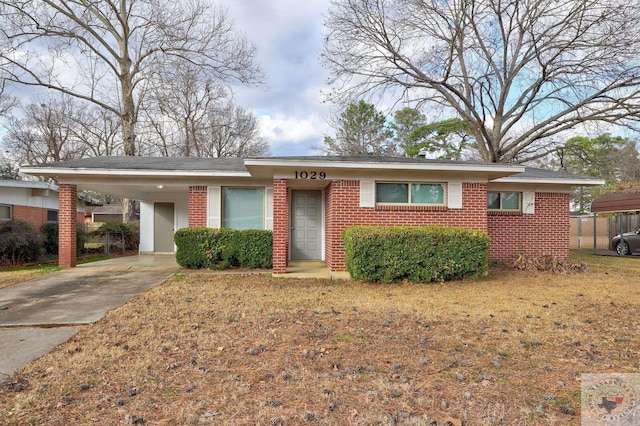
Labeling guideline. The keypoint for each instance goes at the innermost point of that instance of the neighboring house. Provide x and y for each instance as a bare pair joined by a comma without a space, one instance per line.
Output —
33,202
106,213
309,201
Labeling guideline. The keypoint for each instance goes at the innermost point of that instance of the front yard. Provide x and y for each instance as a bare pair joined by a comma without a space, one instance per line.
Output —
508,349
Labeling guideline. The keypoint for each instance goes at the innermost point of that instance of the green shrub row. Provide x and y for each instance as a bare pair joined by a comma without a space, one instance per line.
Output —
223,248
417,254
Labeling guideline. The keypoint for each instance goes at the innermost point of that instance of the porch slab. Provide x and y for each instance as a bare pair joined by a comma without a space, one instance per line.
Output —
312,269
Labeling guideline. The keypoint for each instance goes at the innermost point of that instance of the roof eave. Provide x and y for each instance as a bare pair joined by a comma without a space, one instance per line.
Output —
359,165
68,172
550,181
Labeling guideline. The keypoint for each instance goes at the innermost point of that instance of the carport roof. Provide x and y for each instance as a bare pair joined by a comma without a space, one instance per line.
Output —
617,202
149,163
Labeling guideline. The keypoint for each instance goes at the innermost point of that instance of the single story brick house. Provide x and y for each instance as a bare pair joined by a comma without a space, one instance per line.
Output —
308,201
33,202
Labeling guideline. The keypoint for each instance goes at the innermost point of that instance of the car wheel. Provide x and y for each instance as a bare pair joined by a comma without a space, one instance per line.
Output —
622,248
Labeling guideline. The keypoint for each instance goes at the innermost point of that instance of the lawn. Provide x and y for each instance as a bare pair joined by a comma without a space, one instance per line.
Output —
15,275
508,349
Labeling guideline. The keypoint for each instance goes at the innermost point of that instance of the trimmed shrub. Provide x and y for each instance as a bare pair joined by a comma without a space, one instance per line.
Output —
130,233
49,233
223,248
254,248
417,254
190,246
19,243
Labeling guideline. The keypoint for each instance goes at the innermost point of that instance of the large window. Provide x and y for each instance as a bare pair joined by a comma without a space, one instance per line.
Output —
505,201
410,193
243,208
5,212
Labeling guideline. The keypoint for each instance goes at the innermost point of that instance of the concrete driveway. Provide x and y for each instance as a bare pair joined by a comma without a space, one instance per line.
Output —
38,315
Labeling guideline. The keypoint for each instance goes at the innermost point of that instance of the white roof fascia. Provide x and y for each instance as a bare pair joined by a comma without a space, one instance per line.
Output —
28,184
124,172
547,181
388,166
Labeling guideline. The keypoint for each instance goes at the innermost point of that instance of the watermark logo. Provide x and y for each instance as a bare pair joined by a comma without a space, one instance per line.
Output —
610,399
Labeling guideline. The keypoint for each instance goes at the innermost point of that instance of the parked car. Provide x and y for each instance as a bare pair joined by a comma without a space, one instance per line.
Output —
631,243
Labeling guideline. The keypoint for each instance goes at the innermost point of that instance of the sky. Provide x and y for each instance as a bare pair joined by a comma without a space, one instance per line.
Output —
288,37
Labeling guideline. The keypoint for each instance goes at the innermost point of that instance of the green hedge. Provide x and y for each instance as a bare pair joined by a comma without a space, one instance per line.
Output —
223,248
417,254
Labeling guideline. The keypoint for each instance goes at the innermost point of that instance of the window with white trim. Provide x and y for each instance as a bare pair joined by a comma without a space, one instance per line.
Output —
5,212
504,201
243,208
431,194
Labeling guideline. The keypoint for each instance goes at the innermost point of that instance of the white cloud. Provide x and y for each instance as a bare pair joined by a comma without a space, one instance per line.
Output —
290,135
288,35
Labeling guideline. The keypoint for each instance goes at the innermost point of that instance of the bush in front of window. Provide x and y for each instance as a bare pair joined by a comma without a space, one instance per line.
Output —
190,246
19,243
223,248
417,254
49,233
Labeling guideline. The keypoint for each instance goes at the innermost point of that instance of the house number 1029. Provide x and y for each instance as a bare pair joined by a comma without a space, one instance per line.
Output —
303,174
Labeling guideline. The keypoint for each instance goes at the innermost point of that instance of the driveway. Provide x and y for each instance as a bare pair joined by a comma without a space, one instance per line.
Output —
38,315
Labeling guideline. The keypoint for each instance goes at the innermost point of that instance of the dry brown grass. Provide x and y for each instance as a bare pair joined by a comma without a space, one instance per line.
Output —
11,276
246,349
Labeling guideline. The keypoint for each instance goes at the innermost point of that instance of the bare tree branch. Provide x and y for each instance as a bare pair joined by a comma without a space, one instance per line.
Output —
518,72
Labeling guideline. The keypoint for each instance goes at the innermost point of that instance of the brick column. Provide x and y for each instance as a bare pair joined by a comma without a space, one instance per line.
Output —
67,225
197,206
280,226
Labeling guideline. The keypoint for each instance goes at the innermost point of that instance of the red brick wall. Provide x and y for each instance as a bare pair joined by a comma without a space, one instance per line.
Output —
197,206
36,216
342,209
280,226
67,222
545,232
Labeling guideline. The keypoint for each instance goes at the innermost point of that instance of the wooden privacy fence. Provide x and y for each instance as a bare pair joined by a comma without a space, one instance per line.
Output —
582,230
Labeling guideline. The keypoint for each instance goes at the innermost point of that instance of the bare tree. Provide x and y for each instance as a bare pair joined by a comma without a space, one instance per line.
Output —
108,52
45,132
100,130
7,102
232,132
192,115
519,73
183,98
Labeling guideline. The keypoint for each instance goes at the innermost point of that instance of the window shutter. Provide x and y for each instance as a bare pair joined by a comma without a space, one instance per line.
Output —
528,202
454,191
269,210
367,194
215,206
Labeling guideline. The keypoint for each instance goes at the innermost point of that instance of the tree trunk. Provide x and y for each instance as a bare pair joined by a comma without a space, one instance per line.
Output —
129,136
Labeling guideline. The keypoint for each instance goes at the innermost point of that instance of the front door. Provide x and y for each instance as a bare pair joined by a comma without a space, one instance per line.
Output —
306,225
163,227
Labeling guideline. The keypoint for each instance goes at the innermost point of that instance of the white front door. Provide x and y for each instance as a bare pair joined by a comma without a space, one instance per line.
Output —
306,225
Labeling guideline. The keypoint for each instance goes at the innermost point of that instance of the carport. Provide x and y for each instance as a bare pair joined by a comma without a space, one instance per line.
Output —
621,203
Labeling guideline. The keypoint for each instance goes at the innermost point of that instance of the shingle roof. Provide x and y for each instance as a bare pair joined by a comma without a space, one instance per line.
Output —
237,165
151,163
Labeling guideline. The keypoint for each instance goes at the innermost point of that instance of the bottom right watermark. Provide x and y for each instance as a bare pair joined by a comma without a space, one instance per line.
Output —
610,399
